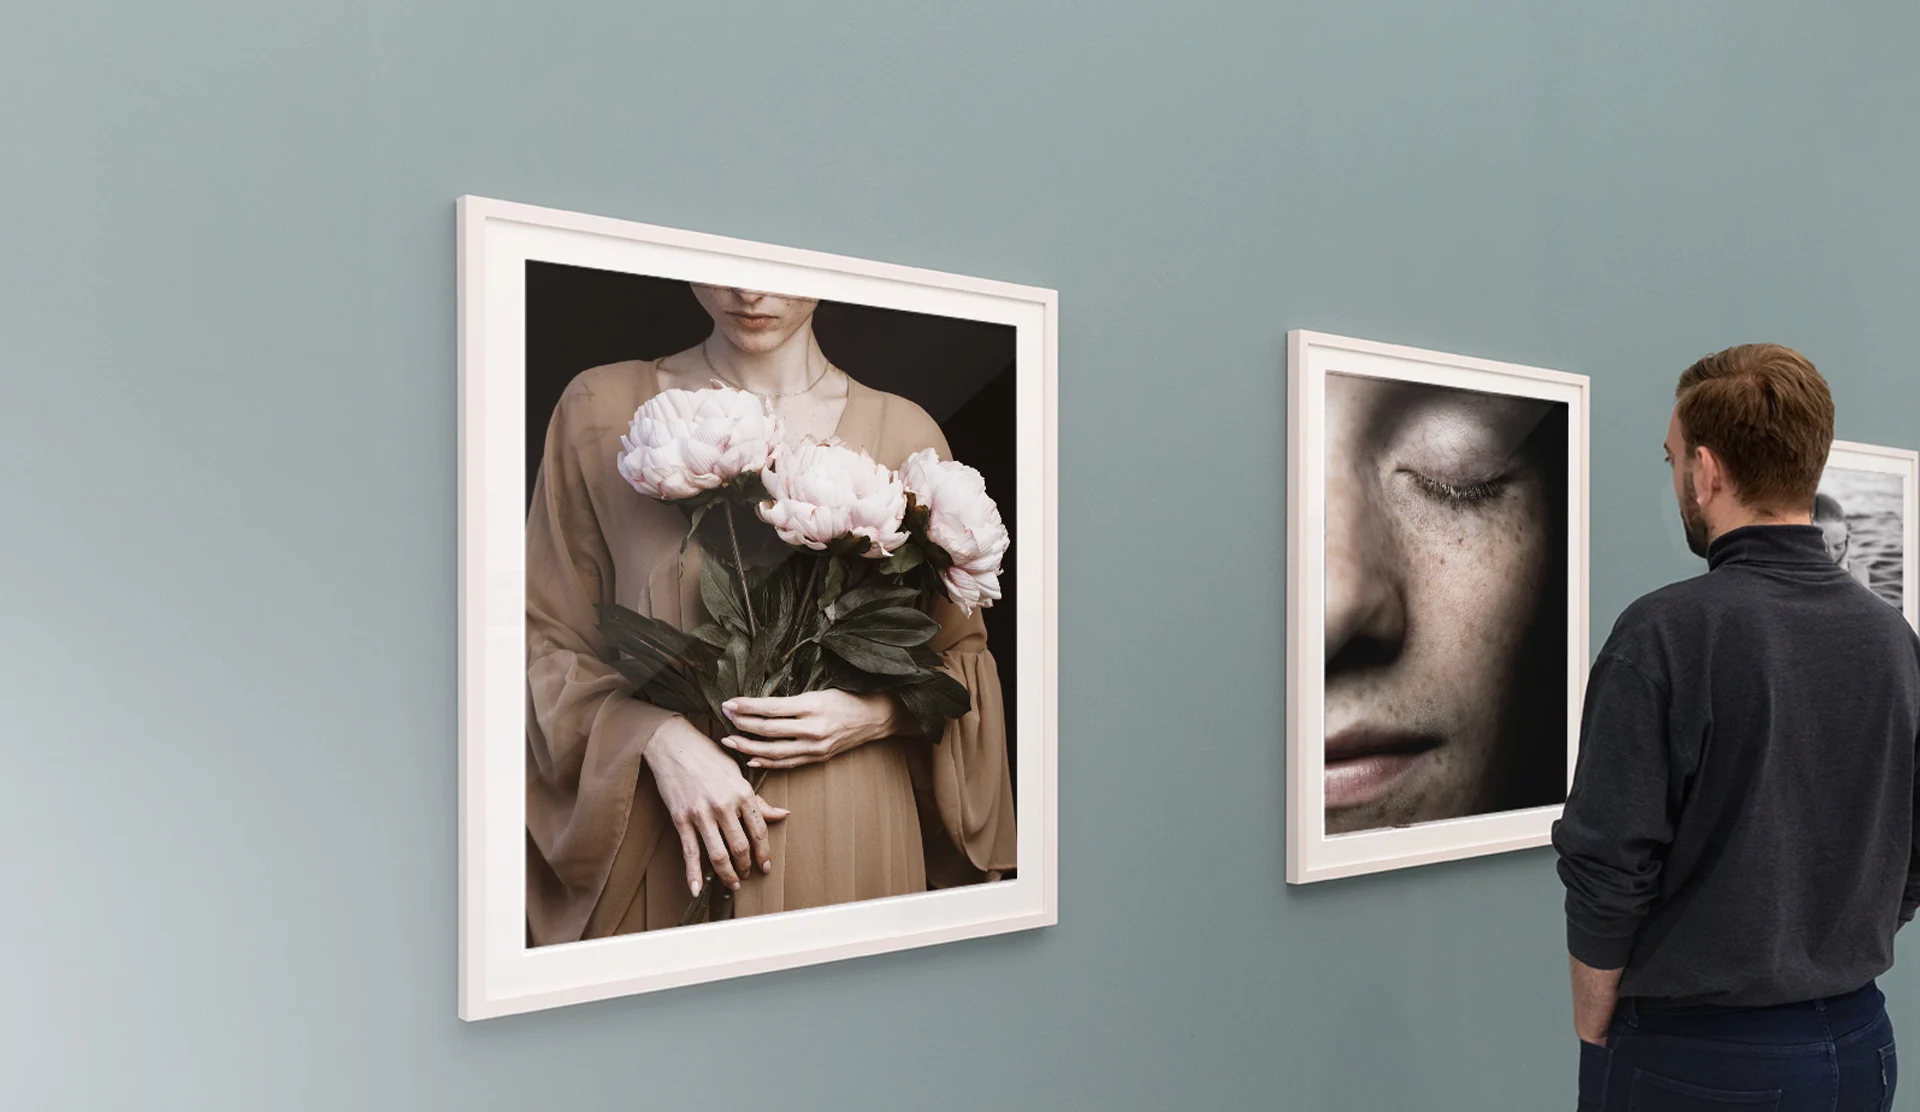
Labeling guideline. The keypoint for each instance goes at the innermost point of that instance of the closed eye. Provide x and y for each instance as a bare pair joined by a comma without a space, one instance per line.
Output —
1449,494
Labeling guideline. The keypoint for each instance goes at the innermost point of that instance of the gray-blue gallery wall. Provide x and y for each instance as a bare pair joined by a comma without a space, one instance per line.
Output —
227,837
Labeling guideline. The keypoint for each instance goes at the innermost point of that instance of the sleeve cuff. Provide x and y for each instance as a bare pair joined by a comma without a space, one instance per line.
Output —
1599,951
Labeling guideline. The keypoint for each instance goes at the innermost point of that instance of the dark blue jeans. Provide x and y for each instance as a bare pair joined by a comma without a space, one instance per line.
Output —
1832,1055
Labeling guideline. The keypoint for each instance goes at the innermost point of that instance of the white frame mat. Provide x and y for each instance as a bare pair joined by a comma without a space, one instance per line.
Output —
499,975
1850,455
1312,854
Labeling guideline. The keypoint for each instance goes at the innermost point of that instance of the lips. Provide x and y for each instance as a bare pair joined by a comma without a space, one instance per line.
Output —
1363,764
755,322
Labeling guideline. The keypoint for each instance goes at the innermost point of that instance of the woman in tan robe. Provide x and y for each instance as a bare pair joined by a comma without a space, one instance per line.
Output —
871,814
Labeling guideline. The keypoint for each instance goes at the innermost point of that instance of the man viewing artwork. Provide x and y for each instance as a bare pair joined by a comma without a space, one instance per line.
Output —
1738,846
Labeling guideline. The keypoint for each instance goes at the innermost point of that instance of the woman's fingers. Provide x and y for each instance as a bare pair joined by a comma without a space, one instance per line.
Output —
690,850
757,832
739,846
776,750
783,716
780,754
789,762
803,726
777,706
769,812
717,852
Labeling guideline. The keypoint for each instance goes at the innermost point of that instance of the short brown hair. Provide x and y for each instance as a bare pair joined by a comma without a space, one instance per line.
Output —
1767,414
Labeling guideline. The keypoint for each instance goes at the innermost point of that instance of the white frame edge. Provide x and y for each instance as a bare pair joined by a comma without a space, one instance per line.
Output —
1851,455
498,974
1312,856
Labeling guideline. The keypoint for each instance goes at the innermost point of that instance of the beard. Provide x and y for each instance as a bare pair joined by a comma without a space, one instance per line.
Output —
1693,520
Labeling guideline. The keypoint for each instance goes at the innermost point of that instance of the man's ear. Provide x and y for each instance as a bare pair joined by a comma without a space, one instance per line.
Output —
1710,477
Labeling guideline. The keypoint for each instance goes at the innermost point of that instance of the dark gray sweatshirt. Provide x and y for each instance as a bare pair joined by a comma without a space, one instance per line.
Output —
1741,825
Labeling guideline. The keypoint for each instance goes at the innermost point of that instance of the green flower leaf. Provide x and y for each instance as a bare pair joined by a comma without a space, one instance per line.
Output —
845,677
933,701
868,655
665,689
904,559
834,584
902,626
733,667
714,694
635,633
782,598
717,591
874,595
698,514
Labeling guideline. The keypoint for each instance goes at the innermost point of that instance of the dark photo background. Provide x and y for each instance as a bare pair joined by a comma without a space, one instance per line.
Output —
960,371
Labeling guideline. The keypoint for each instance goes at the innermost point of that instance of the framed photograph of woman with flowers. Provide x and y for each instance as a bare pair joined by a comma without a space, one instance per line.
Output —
1437,604
756,599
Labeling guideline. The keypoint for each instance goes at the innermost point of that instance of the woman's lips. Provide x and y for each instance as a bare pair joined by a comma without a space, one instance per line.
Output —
755,322
1364,764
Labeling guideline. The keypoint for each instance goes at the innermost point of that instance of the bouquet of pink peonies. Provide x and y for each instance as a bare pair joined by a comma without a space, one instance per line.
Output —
838,595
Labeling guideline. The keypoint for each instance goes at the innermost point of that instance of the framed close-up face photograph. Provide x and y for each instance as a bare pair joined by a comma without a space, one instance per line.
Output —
1437,604
1866,511
757,610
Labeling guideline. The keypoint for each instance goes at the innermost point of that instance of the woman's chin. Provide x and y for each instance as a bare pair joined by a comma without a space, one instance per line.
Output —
1411,805
756,342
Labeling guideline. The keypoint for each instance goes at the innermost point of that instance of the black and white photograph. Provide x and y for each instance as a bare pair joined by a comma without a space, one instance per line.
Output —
1446,586
784,625
1865,514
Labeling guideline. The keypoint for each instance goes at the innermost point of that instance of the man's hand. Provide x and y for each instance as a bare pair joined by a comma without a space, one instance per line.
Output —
1595,993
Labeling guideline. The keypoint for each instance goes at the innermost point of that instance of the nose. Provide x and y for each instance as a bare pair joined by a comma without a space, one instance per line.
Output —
1366,582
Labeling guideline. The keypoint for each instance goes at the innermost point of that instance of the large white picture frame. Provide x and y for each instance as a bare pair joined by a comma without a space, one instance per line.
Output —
499,973
1903,465
1312,853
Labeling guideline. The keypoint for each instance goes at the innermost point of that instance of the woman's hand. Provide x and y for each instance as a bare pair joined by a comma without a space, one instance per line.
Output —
807,729
711,803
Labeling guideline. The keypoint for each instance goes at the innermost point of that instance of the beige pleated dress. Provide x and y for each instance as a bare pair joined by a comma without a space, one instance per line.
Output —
885,819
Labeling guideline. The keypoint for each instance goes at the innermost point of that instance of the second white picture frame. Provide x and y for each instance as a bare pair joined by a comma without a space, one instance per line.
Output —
1437,603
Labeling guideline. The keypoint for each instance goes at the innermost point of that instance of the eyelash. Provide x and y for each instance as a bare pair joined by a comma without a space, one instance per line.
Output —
1477,494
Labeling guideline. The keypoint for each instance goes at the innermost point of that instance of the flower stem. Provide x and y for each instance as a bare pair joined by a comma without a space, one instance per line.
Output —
740,569
813,592
702,905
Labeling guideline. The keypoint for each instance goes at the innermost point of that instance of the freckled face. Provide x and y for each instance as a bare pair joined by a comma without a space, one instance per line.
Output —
1437,552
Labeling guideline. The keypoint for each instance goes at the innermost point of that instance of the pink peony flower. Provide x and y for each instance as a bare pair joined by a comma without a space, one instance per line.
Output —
683,443
964,522
819,493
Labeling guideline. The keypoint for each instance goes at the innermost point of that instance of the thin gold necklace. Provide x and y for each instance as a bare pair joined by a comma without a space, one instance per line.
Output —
715,372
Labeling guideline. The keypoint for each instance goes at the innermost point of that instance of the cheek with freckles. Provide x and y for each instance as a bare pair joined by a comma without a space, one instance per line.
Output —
1472,578
1475,580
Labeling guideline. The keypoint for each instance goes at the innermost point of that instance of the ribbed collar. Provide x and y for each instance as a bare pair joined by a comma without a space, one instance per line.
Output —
1770,544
